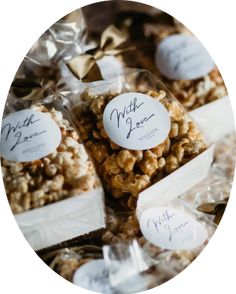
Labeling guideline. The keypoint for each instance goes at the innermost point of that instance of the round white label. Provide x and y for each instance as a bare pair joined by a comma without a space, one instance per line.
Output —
28,135
93,276
183,57
136,121
172,229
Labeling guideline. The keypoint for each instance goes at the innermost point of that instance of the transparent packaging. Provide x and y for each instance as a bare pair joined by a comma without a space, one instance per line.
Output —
127,267
125,173
40,68
66,261
192,93
38,179
170,262
211,195
62,40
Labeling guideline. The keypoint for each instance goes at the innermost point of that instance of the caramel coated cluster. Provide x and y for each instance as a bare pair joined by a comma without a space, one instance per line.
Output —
195,93
120,227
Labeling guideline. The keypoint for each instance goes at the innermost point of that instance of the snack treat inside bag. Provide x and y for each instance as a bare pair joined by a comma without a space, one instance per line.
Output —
143,112
154,31
66,261
185,66
46,161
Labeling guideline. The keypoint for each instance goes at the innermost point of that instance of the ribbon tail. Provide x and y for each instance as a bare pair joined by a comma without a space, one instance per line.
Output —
93,75
112,38
115,52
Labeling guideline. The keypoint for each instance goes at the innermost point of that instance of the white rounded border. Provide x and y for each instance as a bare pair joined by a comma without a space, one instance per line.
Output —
171,228
160,121
22,22
43,137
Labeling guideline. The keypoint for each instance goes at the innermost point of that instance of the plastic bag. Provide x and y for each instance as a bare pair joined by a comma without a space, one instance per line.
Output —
43,159
173,237
192,92
128,170
61,41
211,195
66,261
41,66
127,267
120,227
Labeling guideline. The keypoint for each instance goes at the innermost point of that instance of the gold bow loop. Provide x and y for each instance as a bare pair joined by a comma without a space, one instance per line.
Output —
85,67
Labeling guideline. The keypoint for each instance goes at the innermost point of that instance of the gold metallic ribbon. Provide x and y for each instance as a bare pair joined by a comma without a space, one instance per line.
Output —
85,67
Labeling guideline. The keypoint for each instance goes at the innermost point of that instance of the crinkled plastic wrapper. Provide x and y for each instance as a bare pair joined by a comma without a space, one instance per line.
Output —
211,196
127,267
172,262
128,263
66,261
65,172
113,261
63,40
192,93
50,179
124,172
120,227
164,264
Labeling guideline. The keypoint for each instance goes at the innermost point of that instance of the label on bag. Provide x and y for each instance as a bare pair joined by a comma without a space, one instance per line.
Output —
136,121
93,276
28,135
183,57
172,229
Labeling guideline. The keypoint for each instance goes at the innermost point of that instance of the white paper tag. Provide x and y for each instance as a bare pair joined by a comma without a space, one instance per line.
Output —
183,57
28,135
93,276
170,228
136,121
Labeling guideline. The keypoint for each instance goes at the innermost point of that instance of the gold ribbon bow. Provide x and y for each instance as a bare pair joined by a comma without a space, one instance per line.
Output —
85,67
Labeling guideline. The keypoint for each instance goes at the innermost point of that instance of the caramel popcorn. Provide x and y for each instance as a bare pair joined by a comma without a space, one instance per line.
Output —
120,227
191,93
64,173
195,93
125,173
126,160
174,131
149,164
171,164
162,149
66,261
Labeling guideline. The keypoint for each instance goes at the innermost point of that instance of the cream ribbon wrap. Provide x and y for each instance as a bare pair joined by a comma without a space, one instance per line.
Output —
85,67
